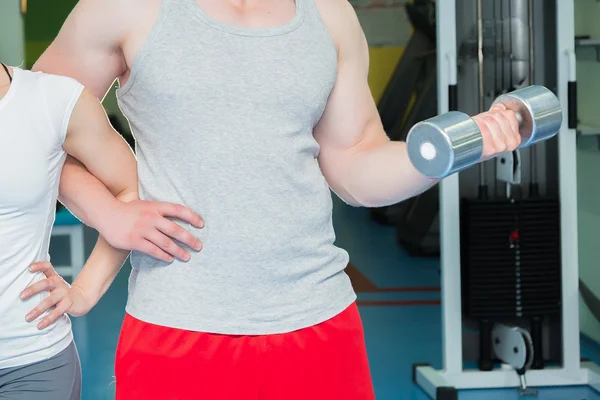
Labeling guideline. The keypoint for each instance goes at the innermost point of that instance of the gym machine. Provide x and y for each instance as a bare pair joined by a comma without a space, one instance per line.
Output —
511,308
410,97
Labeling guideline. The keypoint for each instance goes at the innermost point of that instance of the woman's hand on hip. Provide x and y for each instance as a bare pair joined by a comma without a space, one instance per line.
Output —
63,298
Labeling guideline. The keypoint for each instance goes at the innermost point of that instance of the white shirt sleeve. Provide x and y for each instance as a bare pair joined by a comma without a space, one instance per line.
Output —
61,96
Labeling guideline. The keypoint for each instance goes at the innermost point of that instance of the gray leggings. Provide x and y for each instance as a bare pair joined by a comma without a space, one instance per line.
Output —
57,378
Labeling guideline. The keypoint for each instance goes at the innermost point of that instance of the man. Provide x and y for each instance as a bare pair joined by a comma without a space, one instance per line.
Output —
247,112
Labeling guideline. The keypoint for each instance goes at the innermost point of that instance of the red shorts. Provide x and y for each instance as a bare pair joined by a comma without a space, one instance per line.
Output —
326,361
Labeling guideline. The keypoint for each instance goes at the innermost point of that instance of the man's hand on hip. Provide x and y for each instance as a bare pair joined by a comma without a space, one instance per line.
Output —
144,226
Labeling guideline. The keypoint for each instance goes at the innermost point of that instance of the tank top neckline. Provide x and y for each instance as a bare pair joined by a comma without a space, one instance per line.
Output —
280,29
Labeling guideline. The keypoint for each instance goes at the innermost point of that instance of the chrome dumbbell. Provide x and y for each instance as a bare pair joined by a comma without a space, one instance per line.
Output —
448,143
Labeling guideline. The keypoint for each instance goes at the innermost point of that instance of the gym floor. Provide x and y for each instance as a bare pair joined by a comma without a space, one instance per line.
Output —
398,297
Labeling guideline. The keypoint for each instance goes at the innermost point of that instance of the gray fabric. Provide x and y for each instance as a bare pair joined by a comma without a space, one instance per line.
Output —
223,118
57,378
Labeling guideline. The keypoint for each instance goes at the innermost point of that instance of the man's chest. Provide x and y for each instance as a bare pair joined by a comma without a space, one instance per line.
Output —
250,14
259,14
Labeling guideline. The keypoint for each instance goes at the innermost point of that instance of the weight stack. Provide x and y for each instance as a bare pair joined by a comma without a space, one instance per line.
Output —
510,267
511,260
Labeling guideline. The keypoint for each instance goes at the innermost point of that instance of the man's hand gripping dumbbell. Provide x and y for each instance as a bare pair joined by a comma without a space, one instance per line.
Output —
453,141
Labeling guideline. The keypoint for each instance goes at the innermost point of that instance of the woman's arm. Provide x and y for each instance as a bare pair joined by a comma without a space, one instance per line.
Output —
96,147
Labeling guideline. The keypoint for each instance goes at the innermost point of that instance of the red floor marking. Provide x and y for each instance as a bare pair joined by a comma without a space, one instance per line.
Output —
362,284
401,303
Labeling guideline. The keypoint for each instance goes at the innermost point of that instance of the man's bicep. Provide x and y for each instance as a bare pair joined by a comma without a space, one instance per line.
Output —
350,112
93,142
87,47
351,118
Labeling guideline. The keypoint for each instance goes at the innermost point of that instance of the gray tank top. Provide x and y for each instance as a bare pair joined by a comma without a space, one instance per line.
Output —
223,117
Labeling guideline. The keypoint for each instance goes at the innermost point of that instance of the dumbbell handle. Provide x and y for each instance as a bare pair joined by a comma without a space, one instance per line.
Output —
451,142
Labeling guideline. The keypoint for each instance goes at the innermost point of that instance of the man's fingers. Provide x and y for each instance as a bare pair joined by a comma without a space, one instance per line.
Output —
514,125
180,212
509,123
495,130
514,121
43,266
166,244
148,247
60,309
45,285
172,230
41,308
498,107
503,131
493,139
509,127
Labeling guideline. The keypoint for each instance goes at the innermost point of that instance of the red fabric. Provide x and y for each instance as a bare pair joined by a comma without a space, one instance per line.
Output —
326,361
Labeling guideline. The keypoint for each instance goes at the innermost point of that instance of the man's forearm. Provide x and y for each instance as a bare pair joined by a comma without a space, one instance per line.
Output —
91,201
381,175
84,195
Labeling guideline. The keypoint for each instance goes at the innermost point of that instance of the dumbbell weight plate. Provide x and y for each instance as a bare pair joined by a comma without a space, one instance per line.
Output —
535,101
445,144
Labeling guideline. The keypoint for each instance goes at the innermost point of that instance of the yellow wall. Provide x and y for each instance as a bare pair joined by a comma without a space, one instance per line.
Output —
383,62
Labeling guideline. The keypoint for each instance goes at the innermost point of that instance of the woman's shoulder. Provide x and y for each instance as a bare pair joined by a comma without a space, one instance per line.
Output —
51,83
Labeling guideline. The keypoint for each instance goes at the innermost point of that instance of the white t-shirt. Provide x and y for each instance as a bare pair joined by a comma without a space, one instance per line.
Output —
34,115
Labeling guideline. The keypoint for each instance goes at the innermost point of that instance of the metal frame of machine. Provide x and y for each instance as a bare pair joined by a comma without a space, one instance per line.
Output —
442,384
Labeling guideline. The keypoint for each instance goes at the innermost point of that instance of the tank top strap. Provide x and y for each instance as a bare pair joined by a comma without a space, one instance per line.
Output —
310,8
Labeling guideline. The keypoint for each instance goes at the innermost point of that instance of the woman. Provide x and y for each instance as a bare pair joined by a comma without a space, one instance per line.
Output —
42,119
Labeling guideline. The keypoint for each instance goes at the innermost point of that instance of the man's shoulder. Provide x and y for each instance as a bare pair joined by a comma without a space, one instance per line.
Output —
341,8
337,12
90,45
341,21
115,19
